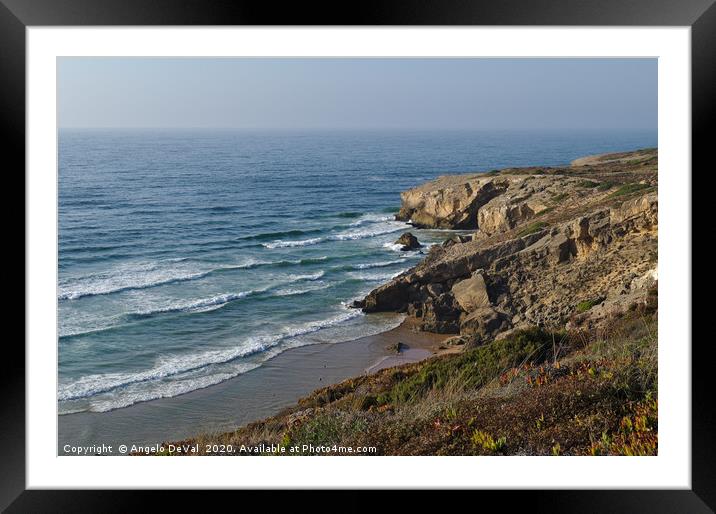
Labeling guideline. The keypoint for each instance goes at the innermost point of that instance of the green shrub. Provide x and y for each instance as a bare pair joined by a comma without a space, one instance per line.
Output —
532,228
487,442
628,189
605,186
585,305
588,183
319,430
474,368
544,211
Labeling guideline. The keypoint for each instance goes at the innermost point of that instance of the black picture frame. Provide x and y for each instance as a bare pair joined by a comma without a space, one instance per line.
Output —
17,15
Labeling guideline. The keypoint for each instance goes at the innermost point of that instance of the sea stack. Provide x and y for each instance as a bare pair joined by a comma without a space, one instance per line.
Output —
409,242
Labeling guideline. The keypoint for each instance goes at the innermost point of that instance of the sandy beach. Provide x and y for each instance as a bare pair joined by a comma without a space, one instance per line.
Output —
259,393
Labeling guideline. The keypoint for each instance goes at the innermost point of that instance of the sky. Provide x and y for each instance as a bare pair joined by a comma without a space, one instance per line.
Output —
357,94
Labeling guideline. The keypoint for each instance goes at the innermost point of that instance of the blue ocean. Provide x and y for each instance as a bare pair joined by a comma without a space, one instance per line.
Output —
189,257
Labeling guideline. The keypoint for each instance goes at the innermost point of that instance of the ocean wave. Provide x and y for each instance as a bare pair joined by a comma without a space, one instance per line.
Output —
385,227
310,276
371,218
146,275
382,264
288,291
202,378
290,244
252,263
125,278
373,276
275,235
171,366
279,288
376,229
203,305
135,393
71,328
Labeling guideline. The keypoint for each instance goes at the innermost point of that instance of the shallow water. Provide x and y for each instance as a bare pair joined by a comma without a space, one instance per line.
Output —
187,258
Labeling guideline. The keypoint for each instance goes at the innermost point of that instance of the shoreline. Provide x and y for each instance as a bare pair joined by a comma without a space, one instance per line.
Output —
259,393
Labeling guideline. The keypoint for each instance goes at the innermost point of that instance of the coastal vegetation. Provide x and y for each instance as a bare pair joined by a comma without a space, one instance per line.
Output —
628,189
532,228
533,393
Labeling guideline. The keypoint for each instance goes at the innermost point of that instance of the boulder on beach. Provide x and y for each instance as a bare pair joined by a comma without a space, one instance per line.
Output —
409,242
397,347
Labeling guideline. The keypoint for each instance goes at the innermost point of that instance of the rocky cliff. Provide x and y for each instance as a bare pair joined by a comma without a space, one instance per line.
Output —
551,247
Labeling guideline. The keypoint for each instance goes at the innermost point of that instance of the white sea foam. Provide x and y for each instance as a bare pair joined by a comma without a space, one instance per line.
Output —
288,291
252,263
371,218
378,226
393,246
336,331
129,276
202,305
144,275
75,326
288,244
310,276
374,276
78,324
382,264
138,392
379,229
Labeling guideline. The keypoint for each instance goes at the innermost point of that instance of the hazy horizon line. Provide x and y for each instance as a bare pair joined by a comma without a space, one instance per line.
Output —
371,129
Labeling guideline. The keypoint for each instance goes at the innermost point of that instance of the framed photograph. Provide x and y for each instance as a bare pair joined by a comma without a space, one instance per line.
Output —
437,247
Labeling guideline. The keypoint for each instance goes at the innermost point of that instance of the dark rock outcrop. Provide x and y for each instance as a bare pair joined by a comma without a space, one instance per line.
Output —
409,242
483,324
397,347
458,239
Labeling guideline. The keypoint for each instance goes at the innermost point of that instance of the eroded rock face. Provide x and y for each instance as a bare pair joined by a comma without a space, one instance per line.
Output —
393,296
483,324
533,259
449,202
440,314
514,207
471,293
490,204
642,212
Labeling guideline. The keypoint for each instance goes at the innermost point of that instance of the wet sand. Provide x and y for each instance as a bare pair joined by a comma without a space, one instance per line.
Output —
257,394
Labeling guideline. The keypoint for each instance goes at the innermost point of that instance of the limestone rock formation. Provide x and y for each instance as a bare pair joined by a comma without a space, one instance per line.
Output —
547,242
